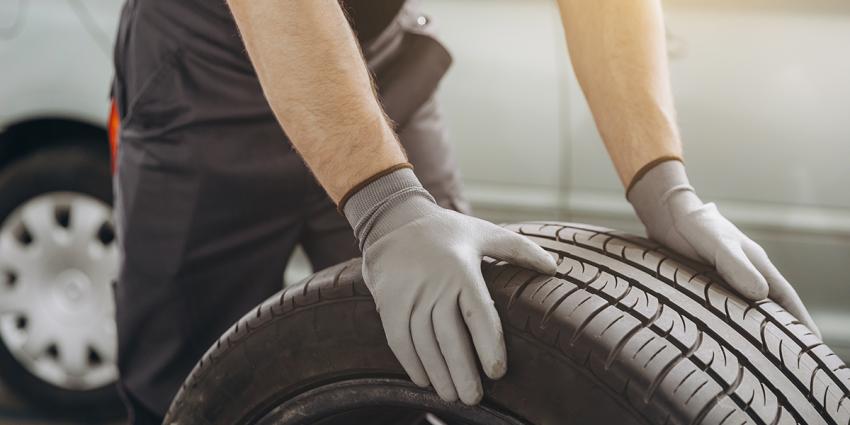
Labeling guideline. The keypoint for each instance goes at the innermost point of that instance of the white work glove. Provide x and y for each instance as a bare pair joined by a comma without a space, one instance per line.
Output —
422,264
674,216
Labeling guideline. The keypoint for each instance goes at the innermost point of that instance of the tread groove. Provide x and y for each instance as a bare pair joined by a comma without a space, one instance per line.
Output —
664,372
519,290
725,393
549,311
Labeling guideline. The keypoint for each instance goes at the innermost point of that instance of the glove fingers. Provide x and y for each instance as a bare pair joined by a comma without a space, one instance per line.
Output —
483,323
780,290
425,341
400,341
735,267
516,249
457,350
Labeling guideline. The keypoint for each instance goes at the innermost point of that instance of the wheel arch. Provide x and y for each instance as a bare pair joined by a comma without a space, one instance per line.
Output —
34,134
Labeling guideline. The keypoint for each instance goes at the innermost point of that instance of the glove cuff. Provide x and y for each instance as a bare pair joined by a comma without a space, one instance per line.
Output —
385,203
650,166
660,193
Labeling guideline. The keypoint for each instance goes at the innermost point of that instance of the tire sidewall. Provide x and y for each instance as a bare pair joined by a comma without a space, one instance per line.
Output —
331,333
75,169
627,332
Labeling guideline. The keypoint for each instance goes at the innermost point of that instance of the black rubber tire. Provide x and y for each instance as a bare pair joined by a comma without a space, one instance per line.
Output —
625,333
66,168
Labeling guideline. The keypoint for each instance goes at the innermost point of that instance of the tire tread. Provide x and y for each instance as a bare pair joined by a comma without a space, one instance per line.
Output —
660,332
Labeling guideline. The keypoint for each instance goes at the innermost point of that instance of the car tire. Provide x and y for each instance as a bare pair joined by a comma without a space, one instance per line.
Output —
74,176
626,333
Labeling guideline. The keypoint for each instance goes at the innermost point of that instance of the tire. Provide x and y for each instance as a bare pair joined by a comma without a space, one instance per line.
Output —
626,333
66,178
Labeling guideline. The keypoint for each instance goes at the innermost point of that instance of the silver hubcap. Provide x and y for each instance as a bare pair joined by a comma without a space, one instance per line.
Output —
58,258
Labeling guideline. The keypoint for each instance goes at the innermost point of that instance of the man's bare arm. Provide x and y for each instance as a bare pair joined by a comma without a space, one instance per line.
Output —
618,51
316,81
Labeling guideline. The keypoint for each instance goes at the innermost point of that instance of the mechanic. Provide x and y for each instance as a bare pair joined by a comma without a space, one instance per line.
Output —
212,196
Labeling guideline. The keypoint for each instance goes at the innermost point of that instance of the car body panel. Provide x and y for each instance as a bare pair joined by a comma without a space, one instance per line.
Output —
11,15
101,20
54,68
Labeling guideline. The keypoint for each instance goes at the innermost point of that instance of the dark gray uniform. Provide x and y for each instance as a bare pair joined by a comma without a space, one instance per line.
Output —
211,199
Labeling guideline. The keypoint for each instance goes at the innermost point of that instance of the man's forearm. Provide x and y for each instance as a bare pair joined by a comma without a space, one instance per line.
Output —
316,81
618,51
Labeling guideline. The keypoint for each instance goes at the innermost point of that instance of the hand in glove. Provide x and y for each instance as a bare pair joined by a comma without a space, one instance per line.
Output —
674,216
422,264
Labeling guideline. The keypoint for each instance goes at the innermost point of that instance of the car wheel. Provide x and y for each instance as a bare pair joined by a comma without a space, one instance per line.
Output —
625,333
58,259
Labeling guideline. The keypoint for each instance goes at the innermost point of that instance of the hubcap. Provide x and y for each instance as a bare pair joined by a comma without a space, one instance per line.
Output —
58,258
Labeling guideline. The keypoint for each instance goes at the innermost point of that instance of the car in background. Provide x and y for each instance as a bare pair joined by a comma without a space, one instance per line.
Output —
763,102
58,256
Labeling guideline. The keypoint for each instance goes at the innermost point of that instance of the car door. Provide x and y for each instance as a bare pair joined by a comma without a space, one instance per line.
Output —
101,20
10,17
